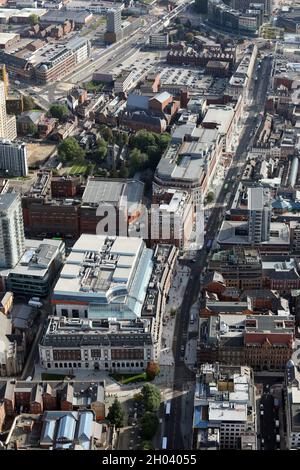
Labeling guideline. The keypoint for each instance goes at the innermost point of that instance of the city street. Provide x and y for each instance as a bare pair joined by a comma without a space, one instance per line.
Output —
183,377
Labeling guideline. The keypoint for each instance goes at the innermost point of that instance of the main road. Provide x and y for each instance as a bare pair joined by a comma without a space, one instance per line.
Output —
183,376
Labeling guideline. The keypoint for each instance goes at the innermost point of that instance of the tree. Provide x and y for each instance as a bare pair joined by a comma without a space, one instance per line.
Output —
33,19
69,150
59,111
210,197
124,172
142,140
116,414
200,6
107,134
154,156
152,370
31,129
149,425
163,141
28,103
189,37
151,397
137,160
121,138
100,151
146,445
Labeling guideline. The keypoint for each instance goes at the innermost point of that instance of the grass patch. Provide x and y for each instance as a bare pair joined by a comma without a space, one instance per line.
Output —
77,169
46,376
127,378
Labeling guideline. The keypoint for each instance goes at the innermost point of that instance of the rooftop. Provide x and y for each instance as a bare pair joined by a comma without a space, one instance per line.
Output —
106,271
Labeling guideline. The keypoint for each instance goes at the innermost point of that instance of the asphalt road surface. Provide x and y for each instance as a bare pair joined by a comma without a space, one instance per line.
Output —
182,374
267,422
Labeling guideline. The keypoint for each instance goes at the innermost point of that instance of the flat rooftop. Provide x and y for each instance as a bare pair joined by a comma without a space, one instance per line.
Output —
115,192
104,270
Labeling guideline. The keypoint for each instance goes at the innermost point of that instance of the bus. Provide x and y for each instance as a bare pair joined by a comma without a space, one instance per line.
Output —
164,443
168,408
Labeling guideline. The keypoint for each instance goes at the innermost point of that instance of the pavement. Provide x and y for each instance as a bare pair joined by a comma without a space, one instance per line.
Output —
183,377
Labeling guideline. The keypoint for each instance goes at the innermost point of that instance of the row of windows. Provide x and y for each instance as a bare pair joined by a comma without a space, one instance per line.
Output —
71,365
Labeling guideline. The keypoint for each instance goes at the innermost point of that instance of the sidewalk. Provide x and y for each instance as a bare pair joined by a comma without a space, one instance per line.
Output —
176,294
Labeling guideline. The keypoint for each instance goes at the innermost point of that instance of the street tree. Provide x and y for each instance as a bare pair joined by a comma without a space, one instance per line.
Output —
151,397
210,197
116,414
149,425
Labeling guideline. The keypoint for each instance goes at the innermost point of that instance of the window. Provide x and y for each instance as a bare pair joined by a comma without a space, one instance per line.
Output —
65,365
74,364
70,364
56,365
64,312
86,365
48,365
79,364
85,314
75,313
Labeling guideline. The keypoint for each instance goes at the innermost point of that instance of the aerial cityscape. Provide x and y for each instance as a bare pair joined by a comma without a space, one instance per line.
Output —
149,226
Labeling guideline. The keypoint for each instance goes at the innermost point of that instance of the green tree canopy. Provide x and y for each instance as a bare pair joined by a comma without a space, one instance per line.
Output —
58,111
33,19
28,103
124,172
149,425
189,37
151,397
107,133
100,151
31,129
146,445
116,414
142,140
210,197
69,150
137,160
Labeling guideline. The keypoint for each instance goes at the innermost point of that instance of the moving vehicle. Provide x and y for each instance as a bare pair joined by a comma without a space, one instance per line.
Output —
277,423
164,443
277,438
168,408
192,319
